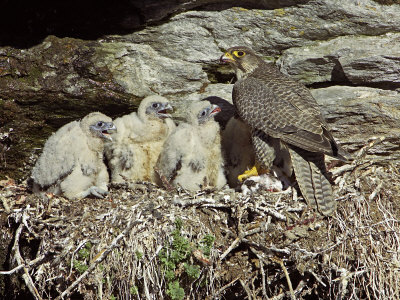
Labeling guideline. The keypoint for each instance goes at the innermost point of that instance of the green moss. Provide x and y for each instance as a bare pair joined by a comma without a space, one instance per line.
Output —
80,266
280,12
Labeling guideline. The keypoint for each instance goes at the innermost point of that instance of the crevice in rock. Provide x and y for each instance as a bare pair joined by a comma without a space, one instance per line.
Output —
30,22
219,73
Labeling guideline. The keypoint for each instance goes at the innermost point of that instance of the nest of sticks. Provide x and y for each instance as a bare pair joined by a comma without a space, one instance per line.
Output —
144,242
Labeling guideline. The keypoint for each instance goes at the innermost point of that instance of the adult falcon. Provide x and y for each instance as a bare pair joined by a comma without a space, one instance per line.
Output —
284,118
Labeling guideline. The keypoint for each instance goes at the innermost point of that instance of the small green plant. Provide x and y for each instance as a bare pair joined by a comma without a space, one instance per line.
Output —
80,266
176,261
134,290
81,262
84,252
175,291
193,271
138,254
206,244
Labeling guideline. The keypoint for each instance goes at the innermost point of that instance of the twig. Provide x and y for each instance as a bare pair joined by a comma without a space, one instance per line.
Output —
185,203
226,286
32,263
81,244
166,183
280,261
317,278
373,143
99,259
268,250
234,244
358,158
296,209
146,288
216,205
376,191
264,290
246,288
261,260
350,167
272,213
5,205
237,241
300,287
27,278
278,297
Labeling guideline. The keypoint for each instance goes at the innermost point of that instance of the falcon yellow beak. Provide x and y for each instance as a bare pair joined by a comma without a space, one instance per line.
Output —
226,58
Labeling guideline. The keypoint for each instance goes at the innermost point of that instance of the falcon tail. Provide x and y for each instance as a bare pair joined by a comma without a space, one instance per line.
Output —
309,168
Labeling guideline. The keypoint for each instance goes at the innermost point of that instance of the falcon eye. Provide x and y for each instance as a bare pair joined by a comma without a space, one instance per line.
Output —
155,105
239,53
203,113
100,124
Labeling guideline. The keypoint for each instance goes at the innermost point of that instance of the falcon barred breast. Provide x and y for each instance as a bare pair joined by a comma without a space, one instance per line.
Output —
284,117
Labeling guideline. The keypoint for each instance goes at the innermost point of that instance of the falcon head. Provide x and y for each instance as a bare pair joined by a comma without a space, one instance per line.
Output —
154,107
102,129
159,109
207,113
242,59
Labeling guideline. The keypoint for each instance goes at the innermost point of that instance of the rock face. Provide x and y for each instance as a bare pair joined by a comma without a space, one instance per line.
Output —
358,115
172,48
359,60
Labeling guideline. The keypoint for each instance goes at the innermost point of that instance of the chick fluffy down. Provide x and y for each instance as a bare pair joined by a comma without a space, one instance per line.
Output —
137,144
192,157
71,163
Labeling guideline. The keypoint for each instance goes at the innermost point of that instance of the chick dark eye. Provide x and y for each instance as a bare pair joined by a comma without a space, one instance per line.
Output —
203,113
100,124
155,105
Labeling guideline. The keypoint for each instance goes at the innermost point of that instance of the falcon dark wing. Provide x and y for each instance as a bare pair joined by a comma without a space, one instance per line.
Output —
277,107
263,109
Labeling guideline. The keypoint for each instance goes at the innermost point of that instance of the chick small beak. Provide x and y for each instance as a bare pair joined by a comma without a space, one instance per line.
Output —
110,127
226,58
164,112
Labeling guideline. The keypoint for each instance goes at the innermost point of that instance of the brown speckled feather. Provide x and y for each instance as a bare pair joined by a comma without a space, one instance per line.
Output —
278,107
281,108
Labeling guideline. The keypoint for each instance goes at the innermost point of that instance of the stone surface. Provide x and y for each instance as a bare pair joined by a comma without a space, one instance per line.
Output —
60,79
358,115
267,31
360,60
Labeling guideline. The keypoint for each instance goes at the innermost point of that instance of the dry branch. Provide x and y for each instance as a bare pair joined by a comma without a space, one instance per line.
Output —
18,258
289,282
99,259
362,237
31,264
